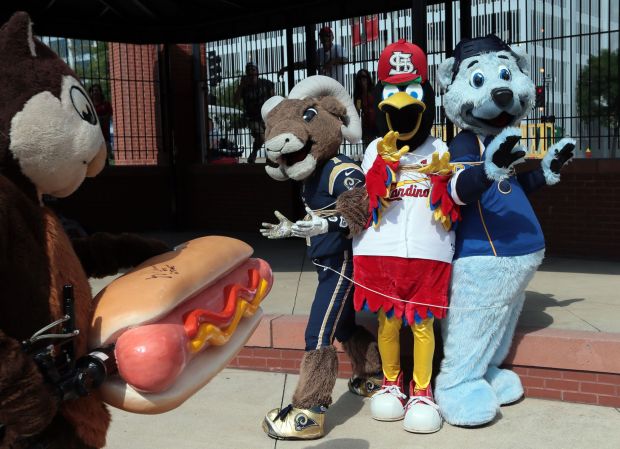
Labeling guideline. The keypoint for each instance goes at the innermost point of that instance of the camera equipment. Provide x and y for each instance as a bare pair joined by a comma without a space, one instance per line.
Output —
54,353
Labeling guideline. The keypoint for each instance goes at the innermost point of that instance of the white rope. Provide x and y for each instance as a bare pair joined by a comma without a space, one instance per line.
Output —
404,300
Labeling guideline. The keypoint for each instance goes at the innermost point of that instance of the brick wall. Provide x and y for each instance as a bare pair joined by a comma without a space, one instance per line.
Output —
542,383
580,216
571,366
570,386
134,90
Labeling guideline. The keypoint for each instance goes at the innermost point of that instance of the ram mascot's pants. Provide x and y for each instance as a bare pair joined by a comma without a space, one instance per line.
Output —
470,387
332,317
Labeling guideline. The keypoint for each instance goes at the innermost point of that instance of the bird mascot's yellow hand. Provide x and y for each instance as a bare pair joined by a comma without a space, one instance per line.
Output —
444,208
381,177
387,147
438,166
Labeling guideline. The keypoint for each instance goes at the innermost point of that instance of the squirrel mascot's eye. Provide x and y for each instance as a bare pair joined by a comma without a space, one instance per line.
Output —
309,114
389,90
476,80
415,90
82,105
504,73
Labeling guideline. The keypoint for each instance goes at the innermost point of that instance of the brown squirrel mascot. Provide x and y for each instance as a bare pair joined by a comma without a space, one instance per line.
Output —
50,140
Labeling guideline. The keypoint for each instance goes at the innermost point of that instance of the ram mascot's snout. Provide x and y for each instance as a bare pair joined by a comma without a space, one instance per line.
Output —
308,126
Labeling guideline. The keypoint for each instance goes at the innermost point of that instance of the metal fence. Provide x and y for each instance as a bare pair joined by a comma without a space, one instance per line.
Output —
573,46
128,78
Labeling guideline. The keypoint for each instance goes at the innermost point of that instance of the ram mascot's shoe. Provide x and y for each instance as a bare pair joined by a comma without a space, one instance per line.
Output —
365,386
421,412
291,423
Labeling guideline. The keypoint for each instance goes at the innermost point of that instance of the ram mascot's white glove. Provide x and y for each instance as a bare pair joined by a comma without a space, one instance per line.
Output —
281,230
309,228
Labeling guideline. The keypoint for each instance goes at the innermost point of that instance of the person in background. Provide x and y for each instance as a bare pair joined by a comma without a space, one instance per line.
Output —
214,136
254,91
103,108
365,105
330,58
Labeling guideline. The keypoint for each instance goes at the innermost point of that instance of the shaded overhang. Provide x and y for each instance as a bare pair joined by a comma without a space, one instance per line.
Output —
184,21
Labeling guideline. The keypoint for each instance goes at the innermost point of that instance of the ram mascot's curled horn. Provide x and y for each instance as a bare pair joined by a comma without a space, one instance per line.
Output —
308,126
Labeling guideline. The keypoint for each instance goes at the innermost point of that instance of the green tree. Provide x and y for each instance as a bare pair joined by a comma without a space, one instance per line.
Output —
225,96
597,93
89,60
225,93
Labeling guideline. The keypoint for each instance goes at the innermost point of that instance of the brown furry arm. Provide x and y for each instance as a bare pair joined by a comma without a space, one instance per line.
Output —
103,254
353,206
27,402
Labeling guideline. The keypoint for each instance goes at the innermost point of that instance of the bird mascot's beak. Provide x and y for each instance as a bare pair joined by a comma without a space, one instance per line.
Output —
401,111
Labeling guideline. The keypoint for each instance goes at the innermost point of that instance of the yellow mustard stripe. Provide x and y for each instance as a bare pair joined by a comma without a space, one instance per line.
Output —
260,294
209,333
337,170
485,229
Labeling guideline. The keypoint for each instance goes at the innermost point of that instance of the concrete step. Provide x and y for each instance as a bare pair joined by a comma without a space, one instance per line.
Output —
565,365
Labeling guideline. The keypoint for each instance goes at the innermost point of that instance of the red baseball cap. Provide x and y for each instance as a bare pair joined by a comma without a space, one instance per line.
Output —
325,31
401,62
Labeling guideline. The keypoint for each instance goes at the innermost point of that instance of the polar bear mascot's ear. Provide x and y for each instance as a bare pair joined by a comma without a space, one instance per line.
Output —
445,74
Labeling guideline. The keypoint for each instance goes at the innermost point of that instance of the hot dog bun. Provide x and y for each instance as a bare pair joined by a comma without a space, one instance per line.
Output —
177,320
152,289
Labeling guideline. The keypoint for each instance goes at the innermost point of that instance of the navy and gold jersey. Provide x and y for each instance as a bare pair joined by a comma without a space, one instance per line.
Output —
319,192
497,223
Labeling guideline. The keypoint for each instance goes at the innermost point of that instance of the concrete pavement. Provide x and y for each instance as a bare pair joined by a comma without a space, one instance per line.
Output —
228,412
565,294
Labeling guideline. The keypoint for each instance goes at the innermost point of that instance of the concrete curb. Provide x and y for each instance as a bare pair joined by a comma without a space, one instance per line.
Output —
572,366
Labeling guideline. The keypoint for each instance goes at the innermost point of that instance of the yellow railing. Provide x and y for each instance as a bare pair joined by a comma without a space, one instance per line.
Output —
540,136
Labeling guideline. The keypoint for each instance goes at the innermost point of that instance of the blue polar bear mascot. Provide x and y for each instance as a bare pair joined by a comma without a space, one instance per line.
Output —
499,243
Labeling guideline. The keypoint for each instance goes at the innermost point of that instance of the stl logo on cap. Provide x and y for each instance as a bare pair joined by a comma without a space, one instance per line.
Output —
402,62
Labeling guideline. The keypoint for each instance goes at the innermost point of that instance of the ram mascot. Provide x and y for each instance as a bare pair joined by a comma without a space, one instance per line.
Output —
499,242
303,137
50,140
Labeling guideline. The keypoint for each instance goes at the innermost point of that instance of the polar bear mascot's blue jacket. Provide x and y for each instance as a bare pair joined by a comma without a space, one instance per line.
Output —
499,243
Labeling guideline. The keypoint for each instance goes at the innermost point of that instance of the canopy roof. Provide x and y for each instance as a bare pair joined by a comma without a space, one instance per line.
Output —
183,21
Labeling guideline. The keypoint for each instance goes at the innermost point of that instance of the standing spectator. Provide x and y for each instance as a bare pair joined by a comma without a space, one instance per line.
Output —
330,58
365,105
103,108
254,91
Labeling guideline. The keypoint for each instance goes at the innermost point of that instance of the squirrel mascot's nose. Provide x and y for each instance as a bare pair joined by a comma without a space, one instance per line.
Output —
502,96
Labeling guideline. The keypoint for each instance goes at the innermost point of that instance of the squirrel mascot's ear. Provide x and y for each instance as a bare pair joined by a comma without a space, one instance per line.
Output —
16,37
444,73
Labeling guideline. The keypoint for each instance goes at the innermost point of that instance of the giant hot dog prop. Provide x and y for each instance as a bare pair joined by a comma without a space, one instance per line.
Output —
177,320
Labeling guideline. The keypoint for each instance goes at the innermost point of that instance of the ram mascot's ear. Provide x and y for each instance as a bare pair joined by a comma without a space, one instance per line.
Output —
268,105
333,106
318,86
523,60
444,73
